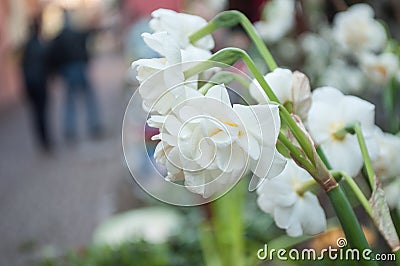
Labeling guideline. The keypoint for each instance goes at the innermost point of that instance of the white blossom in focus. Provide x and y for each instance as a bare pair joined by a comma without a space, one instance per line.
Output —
180,26
277,19
297,213
166,87
380,68
164,44
356,30
330,112
210,144
289,87
387,165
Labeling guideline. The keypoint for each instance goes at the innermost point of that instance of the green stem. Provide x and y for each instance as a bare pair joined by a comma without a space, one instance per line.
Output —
229,19
224,77
307,186
349,222
356,128
297,133
228,225
259,43
259,77
323,158
208,246
227,57
295,153
357,191
206,30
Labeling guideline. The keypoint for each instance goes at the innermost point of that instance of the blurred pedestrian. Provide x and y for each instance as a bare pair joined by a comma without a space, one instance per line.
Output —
69,54
34,69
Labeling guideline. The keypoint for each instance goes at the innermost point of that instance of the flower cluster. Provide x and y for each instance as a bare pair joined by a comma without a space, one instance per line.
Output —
356,31
204,140
209,144
356,45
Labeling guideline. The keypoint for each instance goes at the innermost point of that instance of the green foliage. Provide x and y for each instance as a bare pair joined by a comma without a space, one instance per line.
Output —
179,251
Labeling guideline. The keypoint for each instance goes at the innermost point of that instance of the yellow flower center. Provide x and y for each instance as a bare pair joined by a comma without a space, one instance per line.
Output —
337,131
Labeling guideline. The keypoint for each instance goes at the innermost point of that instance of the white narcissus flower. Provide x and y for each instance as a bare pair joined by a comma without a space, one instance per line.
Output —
330,112
164,44
387,165
277,20
289,87
297,213
356,30
380,68
210,144
166,86
171,41
180,26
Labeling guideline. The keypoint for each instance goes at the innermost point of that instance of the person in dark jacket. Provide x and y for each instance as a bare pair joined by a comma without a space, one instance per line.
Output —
69,55
34,70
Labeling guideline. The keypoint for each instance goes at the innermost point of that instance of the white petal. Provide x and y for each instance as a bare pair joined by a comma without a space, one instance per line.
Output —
257,92
280,81
327,94
261,121
163,44
344,155
312,216
283,216
220,93
277,167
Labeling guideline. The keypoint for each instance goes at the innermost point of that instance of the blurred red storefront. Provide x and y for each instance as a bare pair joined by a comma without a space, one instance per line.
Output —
140,8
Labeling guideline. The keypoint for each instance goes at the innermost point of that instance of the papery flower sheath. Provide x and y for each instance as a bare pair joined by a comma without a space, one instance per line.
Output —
331,111
297,213
210,144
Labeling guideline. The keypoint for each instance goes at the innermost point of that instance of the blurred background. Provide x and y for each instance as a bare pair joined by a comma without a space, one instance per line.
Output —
62,172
